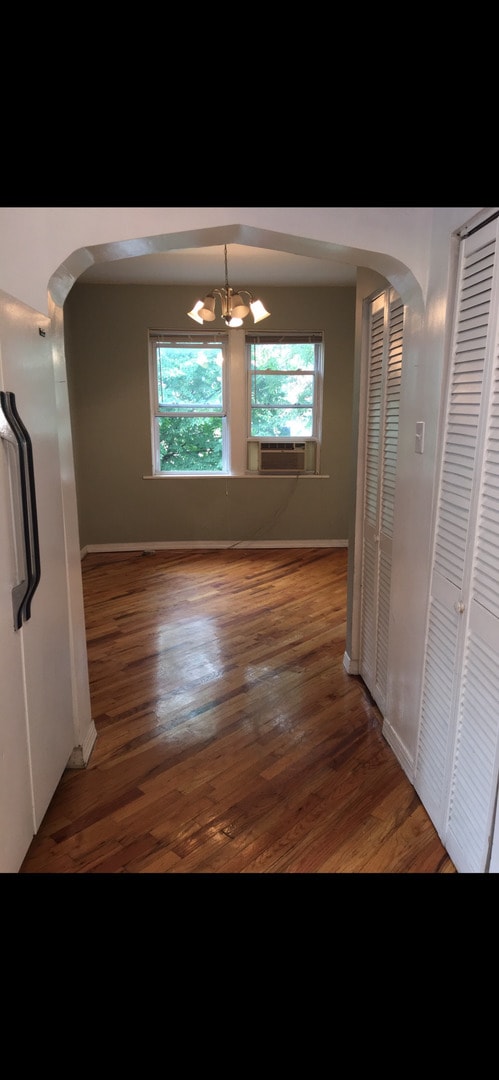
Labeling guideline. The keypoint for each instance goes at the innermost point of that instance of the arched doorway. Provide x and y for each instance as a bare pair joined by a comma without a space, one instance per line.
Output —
60,284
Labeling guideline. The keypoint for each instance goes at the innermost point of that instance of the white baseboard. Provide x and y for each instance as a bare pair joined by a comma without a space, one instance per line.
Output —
351,666
195,545
400,751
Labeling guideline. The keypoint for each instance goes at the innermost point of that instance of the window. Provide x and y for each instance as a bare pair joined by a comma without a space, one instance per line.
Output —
188,396
215,394
284,374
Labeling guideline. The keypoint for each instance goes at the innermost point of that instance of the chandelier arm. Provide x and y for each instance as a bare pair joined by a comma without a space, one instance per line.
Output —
239,292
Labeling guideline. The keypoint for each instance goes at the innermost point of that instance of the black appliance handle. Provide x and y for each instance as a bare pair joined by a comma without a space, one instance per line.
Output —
22,593
34,577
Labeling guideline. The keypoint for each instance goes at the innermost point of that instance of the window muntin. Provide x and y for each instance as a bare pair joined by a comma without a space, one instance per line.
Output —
284,379
189,422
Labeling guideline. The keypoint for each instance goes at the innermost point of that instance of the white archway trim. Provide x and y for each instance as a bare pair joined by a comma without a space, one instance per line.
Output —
392,269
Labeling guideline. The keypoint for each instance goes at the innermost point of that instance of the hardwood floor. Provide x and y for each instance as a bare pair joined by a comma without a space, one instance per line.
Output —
230,737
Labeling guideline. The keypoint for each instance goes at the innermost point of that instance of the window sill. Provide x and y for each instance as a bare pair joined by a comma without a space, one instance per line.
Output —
238,476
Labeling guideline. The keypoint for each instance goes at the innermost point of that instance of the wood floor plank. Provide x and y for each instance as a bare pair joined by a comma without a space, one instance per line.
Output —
231,740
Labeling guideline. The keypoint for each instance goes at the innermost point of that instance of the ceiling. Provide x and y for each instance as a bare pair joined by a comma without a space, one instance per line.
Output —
247,267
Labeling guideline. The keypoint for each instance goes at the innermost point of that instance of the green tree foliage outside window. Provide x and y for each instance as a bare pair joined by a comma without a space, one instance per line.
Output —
282,389
190,407
190,445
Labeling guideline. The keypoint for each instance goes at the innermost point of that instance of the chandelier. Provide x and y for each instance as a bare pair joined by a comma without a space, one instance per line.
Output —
233,307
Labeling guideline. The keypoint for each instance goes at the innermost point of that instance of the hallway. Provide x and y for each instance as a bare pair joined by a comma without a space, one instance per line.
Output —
230,737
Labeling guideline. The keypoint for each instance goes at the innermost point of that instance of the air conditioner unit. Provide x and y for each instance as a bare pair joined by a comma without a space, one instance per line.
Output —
265,456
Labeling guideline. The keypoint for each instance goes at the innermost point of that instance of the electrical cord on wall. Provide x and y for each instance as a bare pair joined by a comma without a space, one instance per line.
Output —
266,524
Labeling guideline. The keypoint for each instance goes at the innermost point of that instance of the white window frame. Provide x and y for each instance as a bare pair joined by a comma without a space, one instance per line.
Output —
236,419
158,338
293,337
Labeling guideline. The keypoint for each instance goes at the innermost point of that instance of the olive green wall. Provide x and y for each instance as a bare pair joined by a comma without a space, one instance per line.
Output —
106,344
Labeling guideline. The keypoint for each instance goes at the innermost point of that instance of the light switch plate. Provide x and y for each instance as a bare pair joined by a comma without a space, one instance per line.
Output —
419,441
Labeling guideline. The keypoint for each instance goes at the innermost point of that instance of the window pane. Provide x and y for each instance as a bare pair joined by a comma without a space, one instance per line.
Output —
279,423
190,444
277,357
189,378
282,389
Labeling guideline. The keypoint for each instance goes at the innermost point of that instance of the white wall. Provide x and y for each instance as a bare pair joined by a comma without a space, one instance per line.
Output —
39,242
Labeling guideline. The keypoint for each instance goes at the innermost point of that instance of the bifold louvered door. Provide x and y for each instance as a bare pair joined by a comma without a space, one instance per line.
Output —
385,342
457,760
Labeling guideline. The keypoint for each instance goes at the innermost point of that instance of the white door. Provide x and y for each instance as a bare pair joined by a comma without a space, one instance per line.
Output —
384,367
35,659
457,759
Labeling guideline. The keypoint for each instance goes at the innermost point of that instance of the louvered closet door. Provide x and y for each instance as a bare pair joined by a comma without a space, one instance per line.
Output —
457,761
385,336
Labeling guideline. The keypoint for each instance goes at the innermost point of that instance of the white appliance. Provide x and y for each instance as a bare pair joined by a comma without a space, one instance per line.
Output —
36,711
273,456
